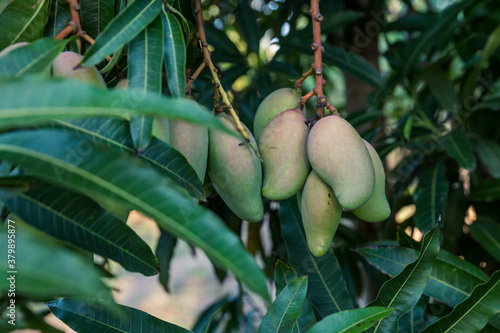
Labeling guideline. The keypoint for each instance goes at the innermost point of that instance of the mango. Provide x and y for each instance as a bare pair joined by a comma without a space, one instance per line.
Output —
64,64
235,172
376,209
320,212
282,146
275,103
339,156
12,48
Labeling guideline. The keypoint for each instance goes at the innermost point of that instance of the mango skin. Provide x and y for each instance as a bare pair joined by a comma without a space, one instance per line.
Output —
275,103
282,146
235,172
12,48
320,212
339,156
65,62
376,209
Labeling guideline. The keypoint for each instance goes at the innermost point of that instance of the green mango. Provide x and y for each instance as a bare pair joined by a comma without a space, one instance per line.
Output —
376,209
282,146
275,103
64,64
236,172
320,212
339,156
12,48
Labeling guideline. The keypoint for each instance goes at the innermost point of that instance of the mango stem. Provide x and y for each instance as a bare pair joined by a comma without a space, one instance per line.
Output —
318,54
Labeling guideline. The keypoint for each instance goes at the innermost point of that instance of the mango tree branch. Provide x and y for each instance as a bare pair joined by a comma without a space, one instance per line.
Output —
298,83
90,40
194,76
318,54
74,9
215,77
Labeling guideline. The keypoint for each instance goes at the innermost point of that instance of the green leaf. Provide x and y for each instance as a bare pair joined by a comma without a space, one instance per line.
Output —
249,27
124,27
96,15
327,290
442,88
489,154
59,17
76,219
165,252
403,291
37,258
32,58
487,234
86,317
286,309
459,147
22,21
40,100
175,54
63,159
115,133
472,314
145,58
488,190
451,281
351,321
413,320
430,196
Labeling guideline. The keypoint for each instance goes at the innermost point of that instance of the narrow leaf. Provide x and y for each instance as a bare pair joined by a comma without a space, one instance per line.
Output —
488,190
96,15
472,314
145,58
128,24
59,17
165,253
430,196
442,88
489,154
351,321
403,291
54,156
286,309
487,234
76,219
32,58
413,320
249,27
459,147
86,317
327,290
175,54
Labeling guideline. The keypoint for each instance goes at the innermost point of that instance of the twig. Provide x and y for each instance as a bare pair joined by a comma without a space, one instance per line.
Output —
74,9
304,98
90,40
194,76
213,71
318,53
69,30
298,82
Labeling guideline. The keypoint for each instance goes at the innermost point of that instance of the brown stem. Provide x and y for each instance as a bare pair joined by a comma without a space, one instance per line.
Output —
74,9
90,40
217,106
69,30
215,77
304,98
194,76
331,108
318,53
298,83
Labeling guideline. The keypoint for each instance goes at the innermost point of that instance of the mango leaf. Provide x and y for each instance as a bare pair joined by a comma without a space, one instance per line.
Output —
86,317
442,88
351,321
37,257
22,21
413,320
430,196
96,15
115,133
122,29
59,17
487,234
164,252
488,190
451,281
489,154
472,314
30,101
327,290
403,291
249,27
459,147
283,275
33,58
286,309
78,164
145,58
175,54
76,219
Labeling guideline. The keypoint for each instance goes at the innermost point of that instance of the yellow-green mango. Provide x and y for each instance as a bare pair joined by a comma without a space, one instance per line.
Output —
275,103
320,212
235,172
64,64
376,209
282,146
12,48
339,156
